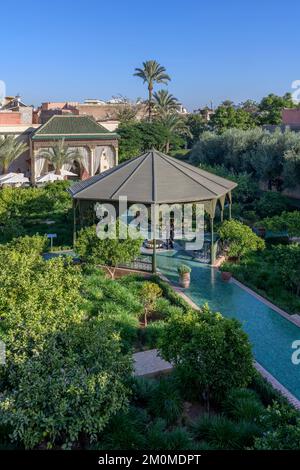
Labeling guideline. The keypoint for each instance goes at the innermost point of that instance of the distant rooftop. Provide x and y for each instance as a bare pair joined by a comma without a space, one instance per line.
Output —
72,127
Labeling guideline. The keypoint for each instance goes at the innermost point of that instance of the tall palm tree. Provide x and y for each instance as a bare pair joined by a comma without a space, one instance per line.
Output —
60,154
152,72
165,102
10,150
174,124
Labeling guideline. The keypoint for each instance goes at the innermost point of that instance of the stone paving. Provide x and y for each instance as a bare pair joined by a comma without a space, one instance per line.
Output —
149,363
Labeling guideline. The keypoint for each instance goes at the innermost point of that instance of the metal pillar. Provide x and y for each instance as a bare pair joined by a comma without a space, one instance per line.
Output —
153,222
212,244
74,222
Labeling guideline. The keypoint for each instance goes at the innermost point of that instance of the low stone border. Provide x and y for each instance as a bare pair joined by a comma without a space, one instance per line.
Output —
287,316
277,385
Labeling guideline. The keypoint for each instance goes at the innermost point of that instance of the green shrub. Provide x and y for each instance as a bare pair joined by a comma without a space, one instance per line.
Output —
125,431
152,333
69,389
281,424
243,404
111,252
166,402
240,238
222,433
265,391
158,438
187,343
26,245
272,203
286,221
143,390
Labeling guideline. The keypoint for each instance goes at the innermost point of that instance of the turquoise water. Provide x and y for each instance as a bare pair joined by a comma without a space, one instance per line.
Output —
271,335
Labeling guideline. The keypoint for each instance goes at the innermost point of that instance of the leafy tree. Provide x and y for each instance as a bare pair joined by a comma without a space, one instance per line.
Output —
60,154
68,392
272,203
286,221
10,150
227,117
287,260
196,125
152,72
209,352
150,292
271,106
272,158
36,299
239,239
141,136
131,140
107,251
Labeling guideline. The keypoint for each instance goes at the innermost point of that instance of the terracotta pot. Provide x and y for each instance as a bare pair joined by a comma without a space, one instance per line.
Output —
226,275
185,280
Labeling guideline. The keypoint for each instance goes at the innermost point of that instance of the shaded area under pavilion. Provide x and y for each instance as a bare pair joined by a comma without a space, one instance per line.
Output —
154,178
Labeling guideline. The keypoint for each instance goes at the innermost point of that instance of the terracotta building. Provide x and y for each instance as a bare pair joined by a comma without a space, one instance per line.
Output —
101,111
291,118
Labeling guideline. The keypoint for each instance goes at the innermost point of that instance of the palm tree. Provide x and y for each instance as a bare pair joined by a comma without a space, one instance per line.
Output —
60,154
152,72
164,102
174,123
10,150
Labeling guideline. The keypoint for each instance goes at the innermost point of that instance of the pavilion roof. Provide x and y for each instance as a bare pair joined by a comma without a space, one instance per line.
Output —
72,127
153,178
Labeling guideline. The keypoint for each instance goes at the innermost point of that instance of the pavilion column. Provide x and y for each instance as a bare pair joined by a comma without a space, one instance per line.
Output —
222,202
116,155
92,159
74,221
230,203
212,211
212,242
153,223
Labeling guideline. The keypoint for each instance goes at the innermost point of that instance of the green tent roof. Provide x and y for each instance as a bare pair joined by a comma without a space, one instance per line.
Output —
72,127
153,178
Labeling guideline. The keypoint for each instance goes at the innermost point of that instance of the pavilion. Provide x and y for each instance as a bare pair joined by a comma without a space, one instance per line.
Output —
152,179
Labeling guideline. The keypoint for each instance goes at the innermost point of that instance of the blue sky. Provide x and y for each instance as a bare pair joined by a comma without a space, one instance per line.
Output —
213,50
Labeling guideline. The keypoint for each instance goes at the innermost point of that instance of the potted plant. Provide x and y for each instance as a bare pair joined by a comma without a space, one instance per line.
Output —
226,275
184,272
